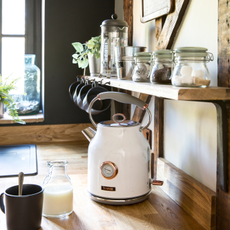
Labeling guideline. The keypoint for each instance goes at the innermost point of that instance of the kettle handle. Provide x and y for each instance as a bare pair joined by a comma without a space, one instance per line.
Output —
123,98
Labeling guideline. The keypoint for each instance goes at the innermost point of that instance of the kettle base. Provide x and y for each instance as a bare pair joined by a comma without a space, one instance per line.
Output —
127,201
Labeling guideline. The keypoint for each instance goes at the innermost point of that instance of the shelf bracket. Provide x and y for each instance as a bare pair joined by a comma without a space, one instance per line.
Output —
222,144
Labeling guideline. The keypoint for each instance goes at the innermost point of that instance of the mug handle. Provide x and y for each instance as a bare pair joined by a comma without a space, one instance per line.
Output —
2,206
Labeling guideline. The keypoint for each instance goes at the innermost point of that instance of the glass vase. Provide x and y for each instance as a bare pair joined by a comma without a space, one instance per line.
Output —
28,103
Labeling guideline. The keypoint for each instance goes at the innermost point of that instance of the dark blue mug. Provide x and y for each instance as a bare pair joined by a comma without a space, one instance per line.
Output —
23,212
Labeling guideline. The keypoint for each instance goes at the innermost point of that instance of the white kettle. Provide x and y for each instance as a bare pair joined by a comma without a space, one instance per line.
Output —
118,156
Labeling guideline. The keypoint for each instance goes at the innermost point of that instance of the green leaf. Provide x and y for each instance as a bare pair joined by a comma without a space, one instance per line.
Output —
78,46
92,47
7,100
83,63
90,44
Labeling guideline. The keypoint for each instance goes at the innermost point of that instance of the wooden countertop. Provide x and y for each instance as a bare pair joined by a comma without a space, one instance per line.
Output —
157,212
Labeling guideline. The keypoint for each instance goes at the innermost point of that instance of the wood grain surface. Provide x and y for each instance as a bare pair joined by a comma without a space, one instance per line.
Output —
223,198
169,91
42,133
194,197
159,23
158,212
171,25
128,17
158,131
139,113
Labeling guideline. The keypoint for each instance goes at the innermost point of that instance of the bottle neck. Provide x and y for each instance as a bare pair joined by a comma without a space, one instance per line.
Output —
30,59
57,167
57,170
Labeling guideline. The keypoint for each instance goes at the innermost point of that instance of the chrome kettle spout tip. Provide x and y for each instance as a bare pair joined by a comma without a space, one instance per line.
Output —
89,133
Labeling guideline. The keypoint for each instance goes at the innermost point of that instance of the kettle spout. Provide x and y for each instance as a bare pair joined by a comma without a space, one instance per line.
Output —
89,133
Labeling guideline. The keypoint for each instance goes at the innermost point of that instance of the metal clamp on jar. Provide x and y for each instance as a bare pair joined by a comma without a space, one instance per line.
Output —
191,69
162,67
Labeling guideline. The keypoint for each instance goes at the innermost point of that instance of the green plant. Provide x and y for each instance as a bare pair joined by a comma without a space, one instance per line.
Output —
7,100
91,47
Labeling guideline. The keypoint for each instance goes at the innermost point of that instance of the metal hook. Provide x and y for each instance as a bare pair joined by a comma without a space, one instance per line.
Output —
100,82
107,83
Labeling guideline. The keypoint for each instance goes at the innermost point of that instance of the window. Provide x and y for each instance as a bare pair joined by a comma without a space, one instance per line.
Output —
20,34
20,26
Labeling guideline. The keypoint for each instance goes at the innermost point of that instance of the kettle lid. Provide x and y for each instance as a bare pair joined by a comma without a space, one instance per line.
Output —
114,22
115,122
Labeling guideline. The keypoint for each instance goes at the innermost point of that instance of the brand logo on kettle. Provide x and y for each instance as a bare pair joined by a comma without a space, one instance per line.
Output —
106,188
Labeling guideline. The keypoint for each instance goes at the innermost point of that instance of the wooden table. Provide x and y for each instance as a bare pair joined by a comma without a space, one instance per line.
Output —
157,212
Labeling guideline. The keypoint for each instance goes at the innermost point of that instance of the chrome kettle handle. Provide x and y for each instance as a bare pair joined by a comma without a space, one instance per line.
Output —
123,98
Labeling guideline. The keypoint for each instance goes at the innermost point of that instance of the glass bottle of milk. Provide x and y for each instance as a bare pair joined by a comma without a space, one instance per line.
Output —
58,191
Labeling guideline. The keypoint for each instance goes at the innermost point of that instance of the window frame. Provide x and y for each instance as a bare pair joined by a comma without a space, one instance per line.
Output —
33,35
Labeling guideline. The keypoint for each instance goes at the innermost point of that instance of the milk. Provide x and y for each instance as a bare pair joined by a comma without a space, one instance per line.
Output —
58,200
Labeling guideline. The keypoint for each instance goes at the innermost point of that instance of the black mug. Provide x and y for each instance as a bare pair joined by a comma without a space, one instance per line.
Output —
77,90
82,92
72,88
23,212
98,106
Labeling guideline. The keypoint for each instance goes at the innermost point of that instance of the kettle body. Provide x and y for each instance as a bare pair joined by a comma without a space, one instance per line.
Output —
119,156
118,163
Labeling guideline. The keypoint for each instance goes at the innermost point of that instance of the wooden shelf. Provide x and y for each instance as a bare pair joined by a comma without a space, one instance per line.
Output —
169,91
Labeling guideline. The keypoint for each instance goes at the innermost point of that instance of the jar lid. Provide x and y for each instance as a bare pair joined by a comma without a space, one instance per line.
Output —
190,49
163,54
185,52
191,54
143,54
114,22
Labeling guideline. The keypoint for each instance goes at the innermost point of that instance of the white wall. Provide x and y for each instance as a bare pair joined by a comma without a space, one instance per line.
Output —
190,127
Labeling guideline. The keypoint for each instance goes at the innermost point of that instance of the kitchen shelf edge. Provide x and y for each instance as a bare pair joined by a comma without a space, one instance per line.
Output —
168,91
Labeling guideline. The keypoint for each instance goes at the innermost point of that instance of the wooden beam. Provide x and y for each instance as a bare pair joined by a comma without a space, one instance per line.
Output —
139,113
171,25
128,17
159,23
223,198
194,197
158,131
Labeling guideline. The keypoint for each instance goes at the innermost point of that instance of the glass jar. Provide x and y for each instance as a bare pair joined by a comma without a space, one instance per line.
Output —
28,103
142,67
190,68
162,67
58,191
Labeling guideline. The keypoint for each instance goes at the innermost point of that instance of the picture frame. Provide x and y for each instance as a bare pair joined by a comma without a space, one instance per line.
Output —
152,9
